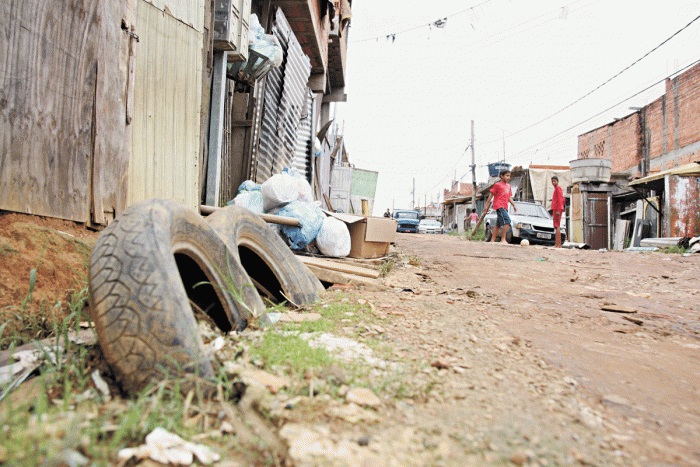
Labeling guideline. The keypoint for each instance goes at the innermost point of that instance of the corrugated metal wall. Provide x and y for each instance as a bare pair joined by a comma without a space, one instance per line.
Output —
167,102
303,149
285,98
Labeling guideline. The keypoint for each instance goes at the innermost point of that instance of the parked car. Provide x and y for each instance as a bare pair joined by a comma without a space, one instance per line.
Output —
430,226
407,220
531,222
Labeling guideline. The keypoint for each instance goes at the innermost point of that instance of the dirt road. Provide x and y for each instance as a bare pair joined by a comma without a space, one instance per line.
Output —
531,368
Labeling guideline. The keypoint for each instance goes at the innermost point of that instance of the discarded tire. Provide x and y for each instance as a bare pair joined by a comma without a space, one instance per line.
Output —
150,270
269,262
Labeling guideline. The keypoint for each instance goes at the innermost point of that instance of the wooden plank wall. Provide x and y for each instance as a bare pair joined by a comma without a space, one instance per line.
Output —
61,107
165,133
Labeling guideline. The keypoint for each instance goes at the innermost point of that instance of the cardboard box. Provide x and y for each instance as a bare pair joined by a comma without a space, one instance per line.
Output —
370,237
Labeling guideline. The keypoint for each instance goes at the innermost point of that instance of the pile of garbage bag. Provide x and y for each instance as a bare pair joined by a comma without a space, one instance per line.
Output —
289,194
265,53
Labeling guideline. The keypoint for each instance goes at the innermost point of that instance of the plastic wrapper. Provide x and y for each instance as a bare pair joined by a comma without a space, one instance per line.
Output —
311,218
284,188
334,238
249,185
252,200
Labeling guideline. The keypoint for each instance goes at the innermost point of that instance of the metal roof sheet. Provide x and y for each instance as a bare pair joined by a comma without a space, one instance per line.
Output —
688,169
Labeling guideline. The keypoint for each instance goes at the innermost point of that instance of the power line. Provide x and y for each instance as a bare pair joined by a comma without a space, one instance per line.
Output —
609,108
600,85
439,23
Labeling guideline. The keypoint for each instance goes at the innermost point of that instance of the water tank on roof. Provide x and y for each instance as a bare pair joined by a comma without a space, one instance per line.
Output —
590,170
496,167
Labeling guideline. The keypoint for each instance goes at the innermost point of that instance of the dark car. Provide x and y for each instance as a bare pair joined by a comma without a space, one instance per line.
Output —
531,222
407,220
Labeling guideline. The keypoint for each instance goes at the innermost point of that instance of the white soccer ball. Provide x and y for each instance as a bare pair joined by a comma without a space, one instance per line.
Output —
524,242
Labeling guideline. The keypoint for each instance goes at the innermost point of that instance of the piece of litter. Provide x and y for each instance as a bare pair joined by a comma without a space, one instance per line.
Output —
168,448
617,309
101,385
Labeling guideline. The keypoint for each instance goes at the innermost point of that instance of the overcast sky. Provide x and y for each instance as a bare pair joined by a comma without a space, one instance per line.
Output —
514,67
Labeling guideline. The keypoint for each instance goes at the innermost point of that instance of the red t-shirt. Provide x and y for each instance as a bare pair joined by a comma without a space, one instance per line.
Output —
558,199
501,194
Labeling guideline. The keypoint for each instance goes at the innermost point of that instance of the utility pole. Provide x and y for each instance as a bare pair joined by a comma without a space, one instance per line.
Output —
413,192
425,204
473,170
504,145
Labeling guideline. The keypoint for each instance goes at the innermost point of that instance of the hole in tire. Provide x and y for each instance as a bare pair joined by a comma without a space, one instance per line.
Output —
265,280
203,297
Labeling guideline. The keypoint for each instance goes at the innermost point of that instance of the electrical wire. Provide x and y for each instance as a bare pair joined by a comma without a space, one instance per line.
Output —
607,109
600,85
394,34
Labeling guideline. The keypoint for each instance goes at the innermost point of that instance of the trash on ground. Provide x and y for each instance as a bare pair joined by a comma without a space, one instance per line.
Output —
168,448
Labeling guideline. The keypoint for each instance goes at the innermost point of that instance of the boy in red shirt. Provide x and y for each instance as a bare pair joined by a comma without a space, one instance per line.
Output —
557,210
501,194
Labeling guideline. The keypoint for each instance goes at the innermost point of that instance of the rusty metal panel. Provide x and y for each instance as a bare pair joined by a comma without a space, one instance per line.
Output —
285,97
189,12
683,195
165,137
595,219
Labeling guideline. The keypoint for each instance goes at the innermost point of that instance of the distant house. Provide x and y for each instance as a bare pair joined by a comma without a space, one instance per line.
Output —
655,156
457,205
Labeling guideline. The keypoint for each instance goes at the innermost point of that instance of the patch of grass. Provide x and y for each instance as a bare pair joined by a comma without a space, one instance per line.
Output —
291,352
386,267
673,250
6,249
477,237
22,327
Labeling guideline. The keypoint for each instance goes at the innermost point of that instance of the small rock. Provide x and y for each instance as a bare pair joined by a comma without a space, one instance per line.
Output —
352,413
299,317
570,381
272,382
363,397
363,440
440,364
518,457
361,301
615,399
226,428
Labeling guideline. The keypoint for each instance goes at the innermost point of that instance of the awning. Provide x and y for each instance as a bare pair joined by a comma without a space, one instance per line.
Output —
688,169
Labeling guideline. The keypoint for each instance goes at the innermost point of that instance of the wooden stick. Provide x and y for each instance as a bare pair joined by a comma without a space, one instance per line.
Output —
269,218
340,267
478,224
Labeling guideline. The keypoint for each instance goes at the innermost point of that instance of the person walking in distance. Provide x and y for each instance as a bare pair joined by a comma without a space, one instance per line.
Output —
387,213
473,219
501,194
557,210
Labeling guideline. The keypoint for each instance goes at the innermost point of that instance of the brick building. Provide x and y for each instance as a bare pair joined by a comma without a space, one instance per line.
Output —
659,136
651,144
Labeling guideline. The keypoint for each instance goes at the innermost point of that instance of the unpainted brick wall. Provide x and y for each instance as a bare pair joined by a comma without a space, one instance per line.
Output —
669,123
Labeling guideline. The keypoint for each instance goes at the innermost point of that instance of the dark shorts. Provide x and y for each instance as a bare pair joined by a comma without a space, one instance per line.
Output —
556,218
502,217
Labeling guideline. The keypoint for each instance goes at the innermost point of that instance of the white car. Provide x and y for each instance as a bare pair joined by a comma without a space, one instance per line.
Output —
430,226
532,222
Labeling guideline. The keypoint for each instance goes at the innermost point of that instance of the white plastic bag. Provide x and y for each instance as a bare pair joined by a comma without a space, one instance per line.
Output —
284,188
334,238
252,200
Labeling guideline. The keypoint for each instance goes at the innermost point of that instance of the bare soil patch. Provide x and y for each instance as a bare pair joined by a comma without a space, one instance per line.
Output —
43,262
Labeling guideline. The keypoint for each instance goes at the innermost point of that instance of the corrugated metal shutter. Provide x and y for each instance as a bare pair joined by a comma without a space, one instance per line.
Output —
303,150
285,97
